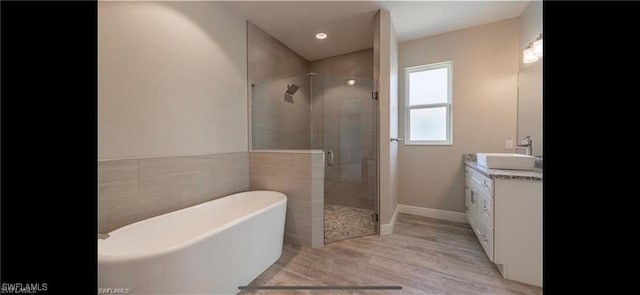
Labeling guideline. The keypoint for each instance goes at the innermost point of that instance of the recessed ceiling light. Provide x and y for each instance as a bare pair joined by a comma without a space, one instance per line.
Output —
321,36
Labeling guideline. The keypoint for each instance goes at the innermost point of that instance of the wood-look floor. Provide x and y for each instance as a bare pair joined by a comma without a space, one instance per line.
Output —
424,256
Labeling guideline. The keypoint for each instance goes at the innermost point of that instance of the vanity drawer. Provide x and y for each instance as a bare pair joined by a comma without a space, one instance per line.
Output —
485,209
485,236
484,183
481,203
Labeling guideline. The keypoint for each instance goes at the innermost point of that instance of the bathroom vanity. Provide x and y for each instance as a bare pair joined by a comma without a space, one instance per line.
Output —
504,208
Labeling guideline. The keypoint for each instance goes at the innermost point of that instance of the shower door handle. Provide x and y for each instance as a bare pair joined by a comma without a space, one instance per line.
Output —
330,158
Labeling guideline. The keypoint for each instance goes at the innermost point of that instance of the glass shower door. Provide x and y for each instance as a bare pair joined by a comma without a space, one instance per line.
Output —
350,143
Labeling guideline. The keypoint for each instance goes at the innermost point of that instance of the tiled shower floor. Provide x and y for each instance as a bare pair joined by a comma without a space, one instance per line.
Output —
343,222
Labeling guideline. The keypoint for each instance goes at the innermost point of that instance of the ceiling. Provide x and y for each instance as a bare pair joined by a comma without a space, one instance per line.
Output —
349,24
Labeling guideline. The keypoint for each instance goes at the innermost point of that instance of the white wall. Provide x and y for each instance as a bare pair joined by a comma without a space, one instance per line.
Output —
393,120
171,79
485,67
530,26
530,81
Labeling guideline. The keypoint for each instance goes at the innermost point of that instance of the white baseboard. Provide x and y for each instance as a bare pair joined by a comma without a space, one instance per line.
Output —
433,213
387,228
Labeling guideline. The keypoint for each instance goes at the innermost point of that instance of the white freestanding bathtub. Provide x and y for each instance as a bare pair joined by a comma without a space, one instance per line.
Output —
210,248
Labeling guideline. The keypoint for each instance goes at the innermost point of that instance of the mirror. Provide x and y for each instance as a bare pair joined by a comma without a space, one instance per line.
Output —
530,105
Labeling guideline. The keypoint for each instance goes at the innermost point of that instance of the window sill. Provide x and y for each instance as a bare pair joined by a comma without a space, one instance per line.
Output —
428,143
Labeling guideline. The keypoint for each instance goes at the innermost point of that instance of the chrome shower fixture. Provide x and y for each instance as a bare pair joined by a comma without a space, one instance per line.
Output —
291,90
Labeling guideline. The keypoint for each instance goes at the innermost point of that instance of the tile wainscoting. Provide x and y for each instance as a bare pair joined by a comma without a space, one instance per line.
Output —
299,174
131,190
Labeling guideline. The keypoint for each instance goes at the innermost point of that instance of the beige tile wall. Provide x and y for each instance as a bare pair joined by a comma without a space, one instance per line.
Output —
300,176
276,123
357,65
131,190
280,124
317,111
269,59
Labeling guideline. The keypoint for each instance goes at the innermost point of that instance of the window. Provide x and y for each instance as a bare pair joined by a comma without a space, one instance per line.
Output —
428,104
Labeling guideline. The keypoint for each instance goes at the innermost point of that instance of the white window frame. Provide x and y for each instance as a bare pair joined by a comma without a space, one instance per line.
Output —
448,104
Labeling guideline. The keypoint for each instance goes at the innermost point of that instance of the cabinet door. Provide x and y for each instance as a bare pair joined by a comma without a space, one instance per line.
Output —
468,208
485,209
467,202
472,214
485,236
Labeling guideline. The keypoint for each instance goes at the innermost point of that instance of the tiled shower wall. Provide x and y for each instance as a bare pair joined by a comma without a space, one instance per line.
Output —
355,65
280,124
300,176
332,72
276,122
131,190
269,59
346,113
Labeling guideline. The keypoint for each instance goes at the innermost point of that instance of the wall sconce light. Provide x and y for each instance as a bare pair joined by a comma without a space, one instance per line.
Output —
533,52
537,46
528,56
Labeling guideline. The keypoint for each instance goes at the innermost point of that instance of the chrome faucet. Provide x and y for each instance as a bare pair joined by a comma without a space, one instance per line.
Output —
528,147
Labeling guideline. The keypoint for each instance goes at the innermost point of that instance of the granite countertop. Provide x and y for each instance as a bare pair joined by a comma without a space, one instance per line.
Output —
536,174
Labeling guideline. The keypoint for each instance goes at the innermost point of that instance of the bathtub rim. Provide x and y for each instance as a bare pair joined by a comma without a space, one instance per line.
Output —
109,259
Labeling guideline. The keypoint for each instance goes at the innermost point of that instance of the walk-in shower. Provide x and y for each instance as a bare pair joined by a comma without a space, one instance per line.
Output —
339,116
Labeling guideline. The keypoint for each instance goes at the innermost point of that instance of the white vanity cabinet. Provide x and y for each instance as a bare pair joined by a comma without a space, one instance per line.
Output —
506,216
480,208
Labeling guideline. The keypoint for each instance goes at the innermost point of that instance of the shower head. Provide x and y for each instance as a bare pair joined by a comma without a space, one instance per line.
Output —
291,89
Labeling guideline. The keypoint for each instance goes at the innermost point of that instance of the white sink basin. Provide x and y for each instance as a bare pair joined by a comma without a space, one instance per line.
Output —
506,161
